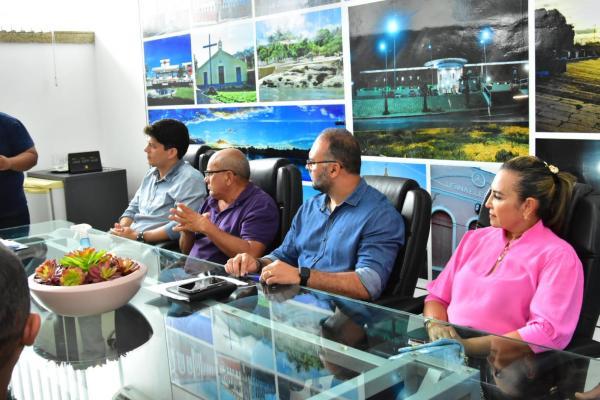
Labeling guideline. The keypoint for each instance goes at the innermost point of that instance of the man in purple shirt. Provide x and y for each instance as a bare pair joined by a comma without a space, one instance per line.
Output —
237,217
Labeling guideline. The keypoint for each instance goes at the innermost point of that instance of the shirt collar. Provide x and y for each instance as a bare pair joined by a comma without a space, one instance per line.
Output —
352,200
170,173
534,230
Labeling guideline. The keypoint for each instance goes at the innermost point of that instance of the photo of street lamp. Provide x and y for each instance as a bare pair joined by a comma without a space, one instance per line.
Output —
383,48
430,48
485,36
392,29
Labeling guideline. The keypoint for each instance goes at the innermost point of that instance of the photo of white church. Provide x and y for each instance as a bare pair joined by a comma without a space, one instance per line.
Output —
224,64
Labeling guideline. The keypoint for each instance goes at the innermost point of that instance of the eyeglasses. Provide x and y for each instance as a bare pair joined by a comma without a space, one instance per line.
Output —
208,173
310,164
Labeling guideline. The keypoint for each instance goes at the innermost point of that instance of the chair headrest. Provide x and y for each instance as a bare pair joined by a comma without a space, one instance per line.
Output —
192,155
263,173
394,188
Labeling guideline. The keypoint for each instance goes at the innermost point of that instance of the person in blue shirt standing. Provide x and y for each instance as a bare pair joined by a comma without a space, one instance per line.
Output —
17,154
170,180
344,240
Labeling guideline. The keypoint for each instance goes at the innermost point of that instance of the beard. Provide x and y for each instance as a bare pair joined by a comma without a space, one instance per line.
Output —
321,183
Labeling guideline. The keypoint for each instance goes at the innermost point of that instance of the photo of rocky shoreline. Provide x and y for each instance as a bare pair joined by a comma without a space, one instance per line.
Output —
300,59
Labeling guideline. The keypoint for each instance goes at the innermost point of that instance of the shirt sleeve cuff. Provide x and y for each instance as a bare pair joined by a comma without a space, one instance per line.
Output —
170,232
431,297
371,281
127,214
537,340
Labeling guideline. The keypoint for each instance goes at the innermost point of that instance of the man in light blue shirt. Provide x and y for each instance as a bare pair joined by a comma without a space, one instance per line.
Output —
344,240
170,180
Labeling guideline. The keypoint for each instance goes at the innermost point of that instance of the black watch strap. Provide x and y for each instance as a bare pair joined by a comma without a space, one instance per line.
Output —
304,276
140,237
259,265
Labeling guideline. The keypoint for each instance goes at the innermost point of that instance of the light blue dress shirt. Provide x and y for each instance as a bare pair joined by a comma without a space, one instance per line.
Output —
363,234
150,206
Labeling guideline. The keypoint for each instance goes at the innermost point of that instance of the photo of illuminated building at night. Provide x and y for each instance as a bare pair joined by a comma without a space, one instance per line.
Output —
431,72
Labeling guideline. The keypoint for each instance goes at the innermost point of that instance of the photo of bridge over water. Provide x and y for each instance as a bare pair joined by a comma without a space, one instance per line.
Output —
441,79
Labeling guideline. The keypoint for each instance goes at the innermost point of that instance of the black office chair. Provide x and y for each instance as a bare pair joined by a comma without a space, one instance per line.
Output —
193,154
414,204
282,180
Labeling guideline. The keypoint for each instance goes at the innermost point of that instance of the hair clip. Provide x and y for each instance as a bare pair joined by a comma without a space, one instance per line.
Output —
552,168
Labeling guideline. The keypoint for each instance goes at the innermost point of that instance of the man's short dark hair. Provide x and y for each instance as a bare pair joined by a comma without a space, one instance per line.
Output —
171,134
14,302
344,148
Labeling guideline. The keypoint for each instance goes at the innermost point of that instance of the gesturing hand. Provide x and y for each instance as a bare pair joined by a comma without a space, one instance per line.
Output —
189,220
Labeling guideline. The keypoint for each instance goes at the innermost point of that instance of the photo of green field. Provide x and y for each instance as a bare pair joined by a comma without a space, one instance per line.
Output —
485,142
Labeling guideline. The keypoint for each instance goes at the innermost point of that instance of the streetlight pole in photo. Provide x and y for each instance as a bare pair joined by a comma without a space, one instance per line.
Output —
383,47
392,29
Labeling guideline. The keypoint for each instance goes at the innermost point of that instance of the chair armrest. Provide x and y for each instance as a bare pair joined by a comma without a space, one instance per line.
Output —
584,346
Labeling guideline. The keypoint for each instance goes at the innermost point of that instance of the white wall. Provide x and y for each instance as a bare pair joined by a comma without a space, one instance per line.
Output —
120,88
98,103
61,118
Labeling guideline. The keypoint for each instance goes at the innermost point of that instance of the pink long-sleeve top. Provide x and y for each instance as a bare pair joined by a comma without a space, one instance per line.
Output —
536,289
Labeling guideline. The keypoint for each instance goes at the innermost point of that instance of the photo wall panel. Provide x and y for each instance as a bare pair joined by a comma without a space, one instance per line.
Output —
266,7
300,56
210,12
457,194
260,131
433,85
169,71
440,79
567,66
224,64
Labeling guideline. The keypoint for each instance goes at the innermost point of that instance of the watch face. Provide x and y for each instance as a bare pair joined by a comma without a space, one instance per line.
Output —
304,275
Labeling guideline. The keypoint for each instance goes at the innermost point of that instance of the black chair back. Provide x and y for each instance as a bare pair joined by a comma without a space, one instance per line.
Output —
193,154
414,204
582,231
283,182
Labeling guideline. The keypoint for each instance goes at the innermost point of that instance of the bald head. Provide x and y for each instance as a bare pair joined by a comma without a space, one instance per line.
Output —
231,159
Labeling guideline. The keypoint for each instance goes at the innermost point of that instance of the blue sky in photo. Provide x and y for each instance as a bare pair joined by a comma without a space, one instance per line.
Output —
302,25
404,170
178,49
234,38
278,127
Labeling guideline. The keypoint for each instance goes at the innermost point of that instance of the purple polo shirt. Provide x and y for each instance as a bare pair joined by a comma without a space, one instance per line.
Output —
253,216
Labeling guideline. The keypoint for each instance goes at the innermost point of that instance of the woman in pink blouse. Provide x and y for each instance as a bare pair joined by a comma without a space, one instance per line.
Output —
516,278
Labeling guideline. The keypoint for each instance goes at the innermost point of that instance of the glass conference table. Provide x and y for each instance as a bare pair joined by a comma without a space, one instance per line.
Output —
285,342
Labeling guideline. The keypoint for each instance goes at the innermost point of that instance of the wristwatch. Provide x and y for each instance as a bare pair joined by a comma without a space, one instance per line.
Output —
259,265
140,237
304,275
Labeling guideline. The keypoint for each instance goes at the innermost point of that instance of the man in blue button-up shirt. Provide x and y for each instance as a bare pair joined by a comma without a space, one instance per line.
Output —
344,240
170,180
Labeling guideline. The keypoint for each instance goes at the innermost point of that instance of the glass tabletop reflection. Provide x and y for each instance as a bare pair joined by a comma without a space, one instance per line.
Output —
260,342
